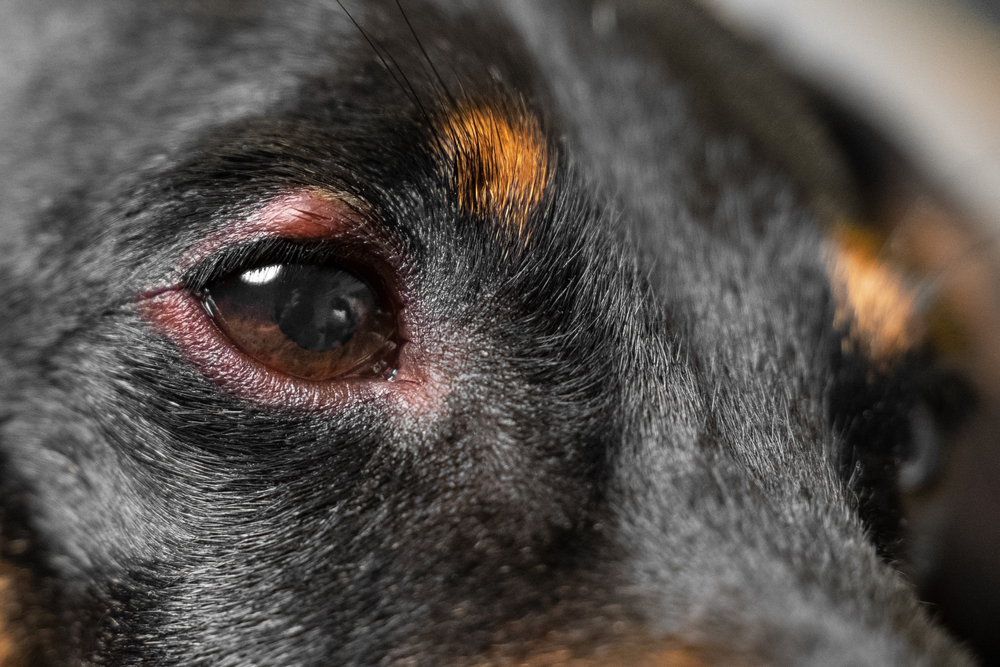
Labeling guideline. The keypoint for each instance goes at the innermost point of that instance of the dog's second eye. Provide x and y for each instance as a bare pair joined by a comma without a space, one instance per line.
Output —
313,322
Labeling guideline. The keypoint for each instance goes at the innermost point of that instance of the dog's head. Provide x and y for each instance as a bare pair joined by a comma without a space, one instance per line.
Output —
475,333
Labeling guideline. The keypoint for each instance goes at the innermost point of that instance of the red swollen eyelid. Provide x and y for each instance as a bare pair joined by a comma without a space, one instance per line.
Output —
306,215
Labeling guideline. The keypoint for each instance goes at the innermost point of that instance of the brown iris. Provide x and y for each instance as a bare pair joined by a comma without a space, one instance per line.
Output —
314,322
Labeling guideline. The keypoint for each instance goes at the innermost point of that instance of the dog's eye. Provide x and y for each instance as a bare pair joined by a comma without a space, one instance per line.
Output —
314,322
923,457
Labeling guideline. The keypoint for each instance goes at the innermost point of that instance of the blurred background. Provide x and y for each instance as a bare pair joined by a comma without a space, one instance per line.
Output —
925,75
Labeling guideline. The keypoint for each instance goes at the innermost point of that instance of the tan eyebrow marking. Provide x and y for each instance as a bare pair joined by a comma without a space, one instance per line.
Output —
874,302
500,160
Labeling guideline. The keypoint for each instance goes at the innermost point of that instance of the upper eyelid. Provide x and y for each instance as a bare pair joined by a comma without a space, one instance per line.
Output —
349,253
247,255
333,226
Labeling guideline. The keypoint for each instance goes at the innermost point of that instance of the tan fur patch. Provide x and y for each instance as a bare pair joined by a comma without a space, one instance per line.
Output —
10,641
626,646
563,658
6,641
625,655
874,302
615,658
501,162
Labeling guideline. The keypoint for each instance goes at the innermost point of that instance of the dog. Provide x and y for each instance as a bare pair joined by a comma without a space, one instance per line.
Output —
443,332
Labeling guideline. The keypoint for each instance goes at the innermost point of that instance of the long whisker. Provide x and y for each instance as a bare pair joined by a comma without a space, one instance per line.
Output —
426,56
403,83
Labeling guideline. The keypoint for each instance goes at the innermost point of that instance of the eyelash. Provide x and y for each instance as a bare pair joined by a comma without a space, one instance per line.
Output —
276,251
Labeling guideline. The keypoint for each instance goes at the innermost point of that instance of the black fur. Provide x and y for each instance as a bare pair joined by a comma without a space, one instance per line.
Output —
649,426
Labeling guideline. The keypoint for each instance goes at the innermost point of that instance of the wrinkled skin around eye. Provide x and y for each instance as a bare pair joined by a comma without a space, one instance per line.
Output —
309,321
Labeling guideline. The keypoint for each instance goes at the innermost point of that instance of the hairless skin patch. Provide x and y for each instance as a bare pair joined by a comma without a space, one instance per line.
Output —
500,160
874,303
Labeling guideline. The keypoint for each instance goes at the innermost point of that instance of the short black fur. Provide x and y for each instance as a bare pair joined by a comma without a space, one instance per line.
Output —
645,427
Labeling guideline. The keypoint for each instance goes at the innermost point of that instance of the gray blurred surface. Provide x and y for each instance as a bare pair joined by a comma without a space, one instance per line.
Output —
926,75
925,72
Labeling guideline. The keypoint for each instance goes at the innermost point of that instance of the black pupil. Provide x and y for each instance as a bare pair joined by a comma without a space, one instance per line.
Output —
319,308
